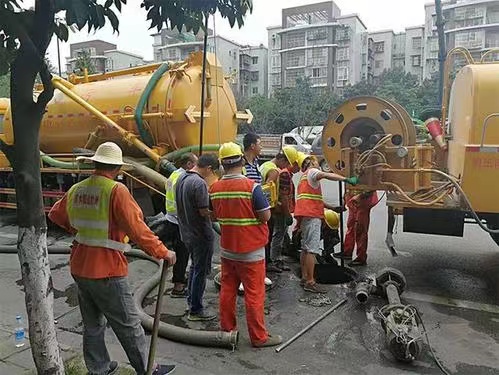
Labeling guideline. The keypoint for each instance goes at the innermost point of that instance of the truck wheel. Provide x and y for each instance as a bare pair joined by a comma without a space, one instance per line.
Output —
325,166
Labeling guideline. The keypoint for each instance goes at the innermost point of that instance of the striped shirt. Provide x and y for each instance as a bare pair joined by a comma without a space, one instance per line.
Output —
251,171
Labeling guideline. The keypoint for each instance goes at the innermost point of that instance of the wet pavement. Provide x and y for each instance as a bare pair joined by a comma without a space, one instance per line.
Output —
454,282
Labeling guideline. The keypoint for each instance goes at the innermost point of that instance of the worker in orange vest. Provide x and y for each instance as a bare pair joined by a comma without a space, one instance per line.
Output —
242,210
309,210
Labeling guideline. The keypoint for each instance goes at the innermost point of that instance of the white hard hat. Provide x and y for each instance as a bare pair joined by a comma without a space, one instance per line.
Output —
107,153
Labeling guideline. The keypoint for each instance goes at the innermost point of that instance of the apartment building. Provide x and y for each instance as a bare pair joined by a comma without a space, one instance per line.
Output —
473,24
244,66
414,51
351,63
253,70
398,50
383,45
104,56
317,42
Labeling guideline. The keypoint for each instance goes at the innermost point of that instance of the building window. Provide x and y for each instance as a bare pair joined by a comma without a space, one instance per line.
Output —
416,60
292,75
399,63
343,33
317,57
90,51
378,64
433,44
416,42
469,12
295,58
295,40
276,61
379,47
276,79
469,39
317,34
254,60
342,74
254,90
492,40
342,53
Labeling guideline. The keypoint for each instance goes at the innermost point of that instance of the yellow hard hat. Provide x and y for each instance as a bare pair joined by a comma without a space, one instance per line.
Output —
332,219
229,150
301,156
290,153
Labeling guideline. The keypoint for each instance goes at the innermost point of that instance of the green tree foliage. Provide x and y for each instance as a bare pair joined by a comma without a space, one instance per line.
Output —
291,107
362,88
398,86
304,105
83,61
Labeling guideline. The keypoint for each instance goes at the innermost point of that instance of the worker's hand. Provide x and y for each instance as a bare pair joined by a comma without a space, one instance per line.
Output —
354,180
339,209
171,257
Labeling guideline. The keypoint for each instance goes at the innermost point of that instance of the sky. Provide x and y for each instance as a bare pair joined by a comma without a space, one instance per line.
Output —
135,35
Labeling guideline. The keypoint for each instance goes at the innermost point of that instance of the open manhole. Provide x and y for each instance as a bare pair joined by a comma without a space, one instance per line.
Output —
334,274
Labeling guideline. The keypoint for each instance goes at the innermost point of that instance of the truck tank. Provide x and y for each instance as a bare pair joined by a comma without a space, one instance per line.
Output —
170,117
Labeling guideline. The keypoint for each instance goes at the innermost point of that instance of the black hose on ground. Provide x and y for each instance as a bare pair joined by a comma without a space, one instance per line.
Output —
187,336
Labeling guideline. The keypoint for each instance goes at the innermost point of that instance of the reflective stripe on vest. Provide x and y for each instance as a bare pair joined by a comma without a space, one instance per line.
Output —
232,202
171,205
309,201
88,211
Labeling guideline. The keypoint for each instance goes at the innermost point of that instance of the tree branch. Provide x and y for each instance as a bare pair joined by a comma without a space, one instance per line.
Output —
48,88
8,150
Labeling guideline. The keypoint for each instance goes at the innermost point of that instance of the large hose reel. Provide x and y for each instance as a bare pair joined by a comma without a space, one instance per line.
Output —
376,140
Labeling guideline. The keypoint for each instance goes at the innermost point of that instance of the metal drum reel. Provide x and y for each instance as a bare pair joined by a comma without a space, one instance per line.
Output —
360,125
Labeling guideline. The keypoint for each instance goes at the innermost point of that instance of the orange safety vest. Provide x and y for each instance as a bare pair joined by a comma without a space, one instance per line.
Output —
232,202
309,201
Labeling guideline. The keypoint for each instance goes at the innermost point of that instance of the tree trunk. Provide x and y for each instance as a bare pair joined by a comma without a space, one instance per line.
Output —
32,241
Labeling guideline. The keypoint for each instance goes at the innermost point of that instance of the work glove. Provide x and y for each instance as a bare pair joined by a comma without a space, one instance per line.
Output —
289,220
354,180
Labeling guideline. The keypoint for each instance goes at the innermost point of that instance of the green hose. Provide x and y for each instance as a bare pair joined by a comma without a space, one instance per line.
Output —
194,148
63,164
141,105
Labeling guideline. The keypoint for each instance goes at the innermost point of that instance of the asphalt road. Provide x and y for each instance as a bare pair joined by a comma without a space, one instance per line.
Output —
454,282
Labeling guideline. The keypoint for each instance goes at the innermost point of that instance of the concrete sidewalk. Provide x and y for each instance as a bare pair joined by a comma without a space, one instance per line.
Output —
66,312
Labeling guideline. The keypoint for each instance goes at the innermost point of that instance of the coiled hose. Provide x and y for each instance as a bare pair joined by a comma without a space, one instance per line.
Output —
187,336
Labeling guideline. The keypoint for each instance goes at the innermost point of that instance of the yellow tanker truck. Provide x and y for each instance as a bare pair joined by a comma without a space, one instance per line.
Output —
437,186
153,112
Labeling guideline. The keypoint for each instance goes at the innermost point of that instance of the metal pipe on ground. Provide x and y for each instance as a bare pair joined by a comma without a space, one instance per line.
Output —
362,292
218,339
392,294
292,339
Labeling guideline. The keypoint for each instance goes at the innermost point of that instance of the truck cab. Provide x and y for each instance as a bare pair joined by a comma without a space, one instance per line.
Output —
296,140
